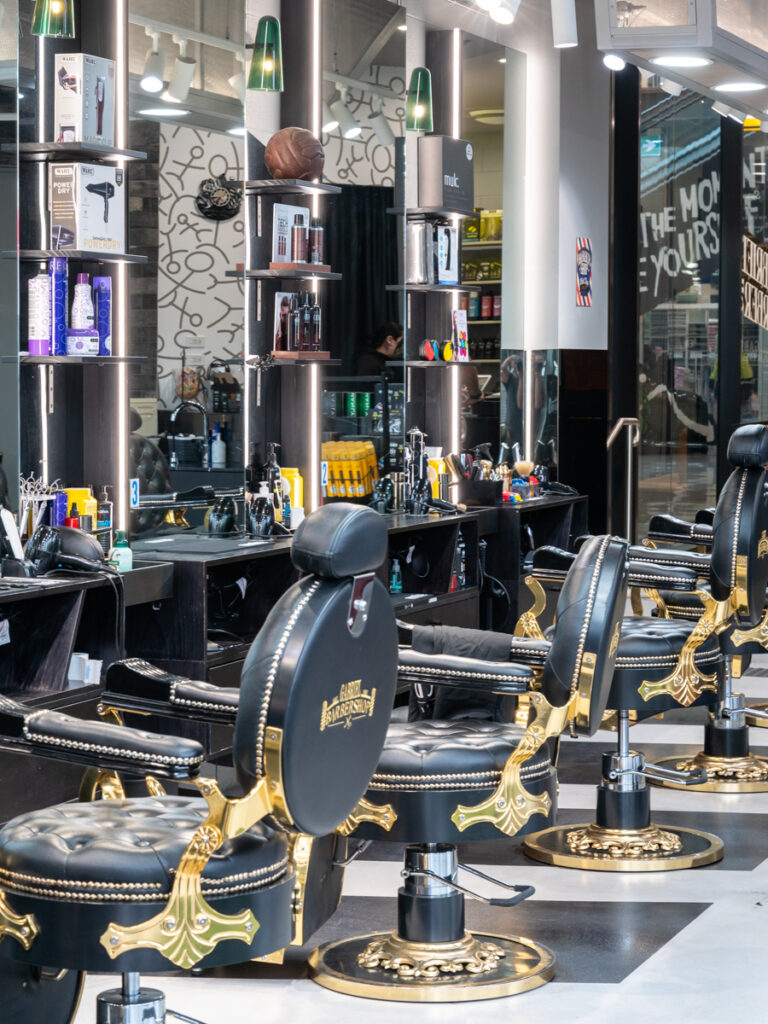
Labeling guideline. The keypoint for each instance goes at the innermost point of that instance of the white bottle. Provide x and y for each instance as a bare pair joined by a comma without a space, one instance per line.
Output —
82,304
120,554
218,452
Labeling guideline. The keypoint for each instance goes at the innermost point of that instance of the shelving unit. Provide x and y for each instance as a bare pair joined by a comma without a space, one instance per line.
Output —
284,275
25,357
430,288
37,152
289,187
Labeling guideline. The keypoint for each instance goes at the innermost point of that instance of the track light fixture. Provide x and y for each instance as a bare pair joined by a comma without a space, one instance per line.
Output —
266,74
350,129
380,124
182,74
564,30
330,122
154,67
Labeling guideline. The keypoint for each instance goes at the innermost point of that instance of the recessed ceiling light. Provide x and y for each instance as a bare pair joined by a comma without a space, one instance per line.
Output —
739,87
240,130
681,60
502,15
402,28
502,60
162,112
613,62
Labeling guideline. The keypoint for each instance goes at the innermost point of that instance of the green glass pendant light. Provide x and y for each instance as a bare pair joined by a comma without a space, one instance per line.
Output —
418,105
54,19
266,74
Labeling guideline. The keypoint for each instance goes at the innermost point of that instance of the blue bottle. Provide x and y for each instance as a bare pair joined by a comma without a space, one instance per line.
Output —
57,271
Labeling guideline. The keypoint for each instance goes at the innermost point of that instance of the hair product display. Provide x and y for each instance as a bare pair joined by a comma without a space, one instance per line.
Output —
57,271
102,292
39,320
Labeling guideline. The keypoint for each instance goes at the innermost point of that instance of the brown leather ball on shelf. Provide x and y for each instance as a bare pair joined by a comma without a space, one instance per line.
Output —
294,153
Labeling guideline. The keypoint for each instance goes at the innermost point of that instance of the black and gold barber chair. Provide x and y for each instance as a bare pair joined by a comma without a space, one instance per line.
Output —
441,782
163,882
663,664
734,534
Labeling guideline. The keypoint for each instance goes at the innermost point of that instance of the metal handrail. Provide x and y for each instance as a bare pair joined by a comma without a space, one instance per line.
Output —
632,426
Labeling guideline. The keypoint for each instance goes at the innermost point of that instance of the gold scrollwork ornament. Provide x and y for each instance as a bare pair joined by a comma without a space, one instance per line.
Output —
382,815
188,928
21,927
429,960
528,623
511,805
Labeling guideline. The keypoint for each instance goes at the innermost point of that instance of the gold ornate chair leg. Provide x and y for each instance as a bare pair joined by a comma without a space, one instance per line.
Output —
757,635
686,683
23,928
528,623
382,815
511,805
661,607
188,928
636,601
96,781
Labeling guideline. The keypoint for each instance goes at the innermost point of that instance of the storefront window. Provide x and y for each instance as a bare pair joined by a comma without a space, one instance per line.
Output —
754,325
678,302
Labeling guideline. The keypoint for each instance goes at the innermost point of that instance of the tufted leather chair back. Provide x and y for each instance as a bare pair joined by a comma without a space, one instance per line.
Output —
740,529
318,684
585,639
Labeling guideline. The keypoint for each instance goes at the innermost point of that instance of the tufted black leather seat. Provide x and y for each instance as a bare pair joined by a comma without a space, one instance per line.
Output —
428,767
114,860
648,650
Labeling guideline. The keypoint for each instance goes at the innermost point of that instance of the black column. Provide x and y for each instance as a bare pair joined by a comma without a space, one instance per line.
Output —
729,325
439,60
296,100
622,303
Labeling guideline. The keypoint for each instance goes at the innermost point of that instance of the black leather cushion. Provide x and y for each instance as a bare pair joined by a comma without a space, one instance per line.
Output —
303,675
649,650
148,464
79,867
748,446
672,558
589,611
428,768
340,540
741,518
670,528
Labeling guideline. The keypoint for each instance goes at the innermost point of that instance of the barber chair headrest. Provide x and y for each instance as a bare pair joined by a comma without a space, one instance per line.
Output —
585,640
340,540
748,446
318,685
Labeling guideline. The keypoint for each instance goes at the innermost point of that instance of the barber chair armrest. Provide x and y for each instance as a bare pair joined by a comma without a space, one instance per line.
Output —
549,564
527,650
502,677
136,685
706,516
654,577
110,747
670,529
672,558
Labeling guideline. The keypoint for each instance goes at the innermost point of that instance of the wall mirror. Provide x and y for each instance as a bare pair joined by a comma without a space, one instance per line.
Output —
186,112
9,283
363,133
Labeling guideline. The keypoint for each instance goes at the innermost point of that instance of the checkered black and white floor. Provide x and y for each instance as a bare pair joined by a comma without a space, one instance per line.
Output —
662,947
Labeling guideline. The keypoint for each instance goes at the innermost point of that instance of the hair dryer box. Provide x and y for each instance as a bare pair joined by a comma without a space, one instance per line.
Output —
84,99
87,204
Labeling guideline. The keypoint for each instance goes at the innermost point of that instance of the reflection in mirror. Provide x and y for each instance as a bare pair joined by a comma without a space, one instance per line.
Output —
482,124
186,215
9,345
363,133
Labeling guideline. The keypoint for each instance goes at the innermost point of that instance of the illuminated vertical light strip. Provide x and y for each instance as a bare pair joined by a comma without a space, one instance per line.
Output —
456,98
455,407
119,339
315,497
529,411
43,371
314,437
42,170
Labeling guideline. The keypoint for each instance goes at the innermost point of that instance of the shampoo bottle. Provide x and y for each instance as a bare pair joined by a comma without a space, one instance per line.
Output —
218,450
82,304
121,555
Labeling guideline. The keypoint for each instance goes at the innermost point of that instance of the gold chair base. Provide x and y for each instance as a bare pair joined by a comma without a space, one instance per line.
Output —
724,774
591,848
479,966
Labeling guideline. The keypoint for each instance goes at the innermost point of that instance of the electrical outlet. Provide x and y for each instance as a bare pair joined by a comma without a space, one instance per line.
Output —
194,342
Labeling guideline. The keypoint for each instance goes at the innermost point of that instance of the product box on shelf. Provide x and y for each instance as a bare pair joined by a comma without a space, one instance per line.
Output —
84,99
446,174
283,217
447,254
87,204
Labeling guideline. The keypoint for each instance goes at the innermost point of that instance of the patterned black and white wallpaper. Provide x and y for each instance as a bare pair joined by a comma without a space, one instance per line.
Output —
364,161
195,298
